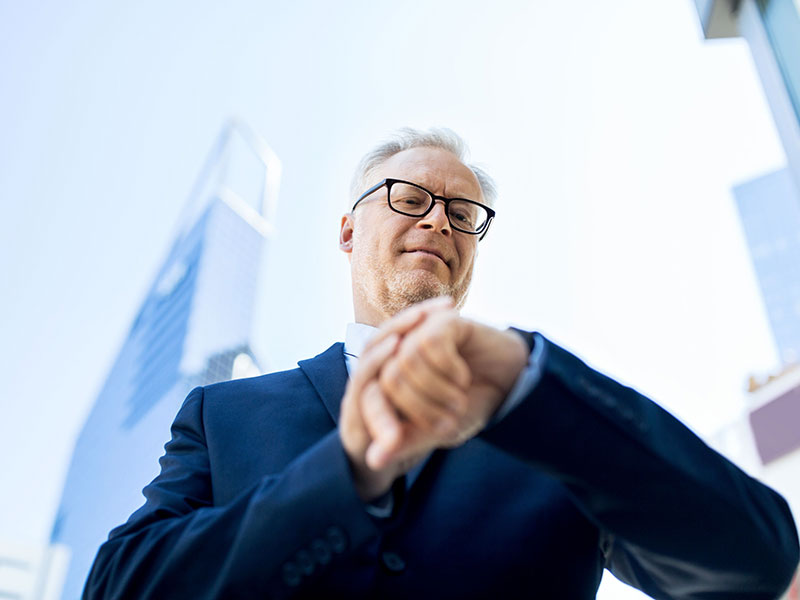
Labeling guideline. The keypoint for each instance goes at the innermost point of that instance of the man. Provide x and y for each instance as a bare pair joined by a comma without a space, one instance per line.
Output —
458,462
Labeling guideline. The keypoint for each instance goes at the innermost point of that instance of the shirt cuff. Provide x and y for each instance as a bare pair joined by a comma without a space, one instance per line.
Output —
526,381
381,508
389,505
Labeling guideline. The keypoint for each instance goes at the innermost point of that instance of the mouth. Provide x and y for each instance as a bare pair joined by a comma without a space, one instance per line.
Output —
429,252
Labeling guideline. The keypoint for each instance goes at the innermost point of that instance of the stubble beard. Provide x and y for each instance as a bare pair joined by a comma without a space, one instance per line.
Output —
396,289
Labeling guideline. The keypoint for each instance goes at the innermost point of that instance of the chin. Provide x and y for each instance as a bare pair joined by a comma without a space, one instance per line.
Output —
408,288
422,283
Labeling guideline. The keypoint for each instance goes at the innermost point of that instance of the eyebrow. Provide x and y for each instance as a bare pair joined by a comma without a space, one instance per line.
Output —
429,187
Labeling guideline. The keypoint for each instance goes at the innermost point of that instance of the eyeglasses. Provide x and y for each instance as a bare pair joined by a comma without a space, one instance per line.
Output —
412,200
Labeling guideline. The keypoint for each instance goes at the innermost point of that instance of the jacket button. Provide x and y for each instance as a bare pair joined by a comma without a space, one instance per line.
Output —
393,562
336,539
291,574
321,551
304,562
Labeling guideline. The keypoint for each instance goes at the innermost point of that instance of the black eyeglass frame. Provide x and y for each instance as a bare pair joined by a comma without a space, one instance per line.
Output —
389,182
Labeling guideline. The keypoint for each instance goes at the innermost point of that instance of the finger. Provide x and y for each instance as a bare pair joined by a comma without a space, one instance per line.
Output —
431,413
448,363
426,381
355,433
428,353
370,362
383,425
437,341
408,319
416,444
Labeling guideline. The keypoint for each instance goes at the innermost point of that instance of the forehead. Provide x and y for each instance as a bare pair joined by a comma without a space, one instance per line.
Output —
433,168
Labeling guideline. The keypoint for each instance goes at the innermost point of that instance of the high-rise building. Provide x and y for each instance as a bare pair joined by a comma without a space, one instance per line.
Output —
769,207
32,572
195,326
772,31
766,439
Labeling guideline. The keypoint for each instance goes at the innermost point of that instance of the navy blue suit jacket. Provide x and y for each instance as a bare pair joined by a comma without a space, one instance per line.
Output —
255,500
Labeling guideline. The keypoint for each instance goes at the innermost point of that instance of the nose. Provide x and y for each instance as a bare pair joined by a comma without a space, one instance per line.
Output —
436,219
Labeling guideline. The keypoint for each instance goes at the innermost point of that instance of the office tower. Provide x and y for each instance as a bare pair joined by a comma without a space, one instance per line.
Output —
32,572
195,326
770,213
772,31
766,437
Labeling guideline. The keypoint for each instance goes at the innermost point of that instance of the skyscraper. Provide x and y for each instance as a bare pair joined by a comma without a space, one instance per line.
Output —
772,31
769,207
770,213
195,327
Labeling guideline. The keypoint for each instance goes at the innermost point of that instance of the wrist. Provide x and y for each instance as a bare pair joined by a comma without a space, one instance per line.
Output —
527,336
516,354
370,485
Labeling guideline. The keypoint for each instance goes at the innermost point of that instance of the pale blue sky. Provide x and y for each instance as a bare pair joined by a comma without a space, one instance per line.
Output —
613,130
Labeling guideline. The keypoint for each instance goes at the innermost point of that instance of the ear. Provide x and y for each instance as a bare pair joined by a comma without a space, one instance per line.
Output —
346,233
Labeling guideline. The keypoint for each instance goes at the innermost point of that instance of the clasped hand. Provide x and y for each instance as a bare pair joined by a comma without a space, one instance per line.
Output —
428,379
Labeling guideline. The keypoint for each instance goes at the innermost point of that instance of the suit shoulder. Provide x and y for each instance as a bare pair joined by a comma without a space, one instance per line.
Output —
271,382
292,385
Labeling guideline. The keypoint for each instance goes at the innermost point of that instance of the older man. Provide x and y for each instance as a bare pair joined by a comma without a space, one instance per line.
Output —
458,462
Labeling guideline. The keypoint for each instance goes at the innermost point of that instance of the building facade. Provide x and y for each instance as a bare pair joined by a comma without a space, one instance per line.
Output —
765,440
772,31
195,327
769,209
32,572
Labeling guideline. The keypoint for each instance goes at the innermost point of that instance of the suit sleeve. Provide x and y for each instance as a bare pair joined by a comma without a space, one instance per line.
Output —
680,520
271,541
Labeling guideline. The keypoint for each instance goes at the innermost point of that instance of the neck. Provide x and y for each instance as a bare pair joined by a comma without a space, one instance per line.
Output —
368,315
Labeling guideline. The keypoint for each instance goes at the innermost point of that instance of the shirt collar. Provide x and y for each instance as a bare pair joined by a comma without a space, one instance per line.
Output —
356,337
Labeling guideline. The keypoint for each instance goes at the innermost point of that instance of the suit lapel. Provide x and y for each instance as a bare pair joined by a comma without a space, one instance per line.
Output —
327,372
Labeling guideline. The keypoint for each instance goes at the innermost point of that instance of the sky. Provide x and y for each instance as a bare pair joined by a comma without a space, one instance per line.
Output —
614,131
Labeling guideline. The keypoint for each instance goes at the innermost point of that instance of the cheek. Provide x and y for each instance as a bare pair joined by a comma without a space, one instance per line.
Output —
379,236
467,253
368,247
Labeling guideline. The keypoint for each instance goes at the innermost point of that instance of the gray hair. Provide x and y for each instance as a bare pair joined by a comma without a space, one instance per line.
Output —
407,138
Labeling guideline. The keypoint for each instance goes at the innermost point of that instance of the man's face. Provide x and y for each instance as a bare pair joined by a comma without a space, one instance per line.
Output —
396,260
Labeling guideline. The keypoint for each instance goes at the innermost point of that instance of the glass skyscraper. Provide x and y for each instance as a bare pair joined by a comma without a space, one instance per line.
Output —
195,327
770,213
769,206
772,31
782,26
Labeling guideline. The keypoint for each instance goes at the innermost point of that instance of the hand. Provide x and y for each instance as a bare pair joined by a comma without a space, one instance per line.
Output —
363,394
442,384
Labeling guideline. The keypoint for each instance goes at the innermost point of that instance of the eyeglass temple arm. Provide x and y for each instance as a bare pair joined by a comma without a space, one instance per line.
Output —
374,188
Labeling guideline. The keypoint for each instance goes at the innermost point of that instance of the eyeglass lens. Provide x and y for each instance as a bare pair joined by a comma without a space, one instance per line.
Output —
413,201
